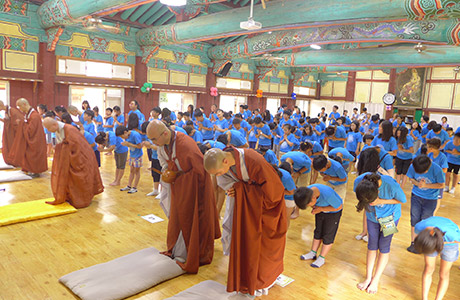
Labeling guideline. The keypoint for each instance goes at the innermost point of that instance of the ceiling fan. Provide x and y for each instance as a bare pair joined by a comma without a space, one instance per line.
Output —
95,24
267,56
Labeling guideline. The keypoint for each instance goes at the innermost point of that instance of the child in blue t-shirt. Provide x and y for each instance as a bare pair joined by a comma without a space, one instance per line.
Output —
284,171
333,173
301,166
427,178
336,137
88,125
277,133
252,139
262,132
109,124
194,134
404,155
288,141
91,141
109,142
381,198
133,141
452,150
269,155
439,158
98,121
437,236
327,207
345,156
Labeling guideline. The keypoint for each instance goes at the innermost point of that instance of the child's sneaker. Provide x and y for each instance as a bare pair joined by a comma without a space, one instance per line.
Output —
452,191
154,193
446,189
310,255
132,190
127,188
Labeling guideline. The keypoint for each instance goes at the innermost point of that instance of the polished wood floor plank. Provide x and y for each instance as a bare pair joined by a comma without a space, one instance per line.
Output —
35,254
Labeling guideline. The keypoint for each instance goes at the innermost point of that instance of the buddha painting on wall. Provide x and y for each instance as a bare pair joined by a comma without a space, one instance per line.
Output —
409,87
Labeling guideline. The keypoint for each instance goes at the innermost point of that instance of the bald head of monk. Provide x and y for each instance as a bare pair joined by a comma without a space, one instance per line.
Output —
218,162
51,124
23,105
2,105
73,110
158,133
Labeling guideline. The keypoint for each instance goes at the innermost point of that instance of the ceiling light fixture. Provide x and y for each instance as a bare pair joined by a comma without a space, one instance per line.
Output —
174,2
316,47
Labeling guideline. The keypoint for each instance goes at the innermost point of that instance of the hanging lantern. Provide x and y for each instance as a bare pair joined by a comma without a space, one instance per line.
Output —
293,96
259,94
213,91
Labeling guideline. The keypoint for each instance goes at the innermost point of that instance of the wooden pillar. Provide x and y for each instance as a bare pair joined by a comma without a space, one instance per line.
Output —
318,91
47,73
206,100
391,89
253,101
351,85
146,100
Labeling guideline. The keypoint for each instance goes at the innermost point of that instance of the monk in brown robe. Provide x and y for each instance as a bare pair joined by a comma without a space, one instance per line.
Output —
188,201
11,124
75,176
255,223
30,146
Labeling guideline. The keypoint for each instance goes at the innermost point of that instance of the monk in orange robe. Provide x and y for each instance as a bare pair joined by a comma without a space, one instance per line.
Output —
255,223
30,146
188,201
75,176
11,124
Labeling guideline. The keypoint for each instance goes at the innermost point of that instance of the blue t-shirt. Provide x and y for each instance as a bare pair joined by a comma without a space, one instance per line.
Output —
449,228
207,134
416,134
237,139
100,127
89,127
353,139
181,124
346,156
336,115
215,144
288,183
91,140
109,122
386,160
442,135
327,197
120,119
395,124
270,156
263,141
440,160
336,170
316,148
173,116
312,138
434,175
373,126
339,133
247,114
283,122
452,158
277,134
300,160
197,137
252,134
140,115
180,129
221,124
284,147
135,138
389,189
389,145
407,145
424,132
116,140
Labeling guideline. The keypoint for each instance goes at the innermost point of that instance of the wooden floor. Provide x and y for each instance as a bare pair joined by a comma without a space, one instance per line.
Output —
35,254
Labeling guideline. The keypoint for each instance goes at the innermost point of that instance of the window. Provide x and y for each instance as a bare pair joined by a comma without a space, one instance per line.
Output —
303,105
94,69
300,90
234,84
177,101
100,97
231,103
273,104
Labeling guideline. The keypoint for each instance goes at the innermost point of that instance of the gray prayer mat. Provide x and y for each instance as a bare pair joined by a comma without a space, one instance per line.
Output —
206,290
123,276
9,176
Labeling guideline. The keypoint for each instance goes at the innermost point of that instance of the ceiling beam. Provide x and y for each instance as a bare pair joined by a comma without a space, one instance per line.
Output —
140,11
118,19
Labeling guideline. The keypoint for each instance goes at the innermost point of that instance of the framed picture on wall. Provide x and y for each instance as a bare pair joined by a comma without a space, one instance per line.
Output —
409,87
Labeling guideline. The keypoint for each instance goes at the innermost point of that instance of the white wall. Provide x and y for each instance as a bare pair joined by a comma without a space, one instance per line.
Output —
373,108
452,119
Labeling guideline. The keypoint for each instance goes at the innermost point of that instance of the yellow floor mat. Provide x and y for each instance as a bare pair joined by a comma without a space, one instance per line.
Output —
32,210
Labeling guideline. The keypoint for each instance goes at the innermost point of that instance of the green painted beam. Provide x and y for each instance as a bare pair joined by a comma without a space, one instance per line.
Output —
156,15
140,11
171,21
441,32
244,2
282,15
128,12
397,56
156,7
52,14
113,14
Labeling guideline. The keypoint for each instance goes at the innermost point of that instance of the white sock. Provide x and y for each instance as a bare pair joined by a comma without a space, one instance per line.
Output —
319,262
308,256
